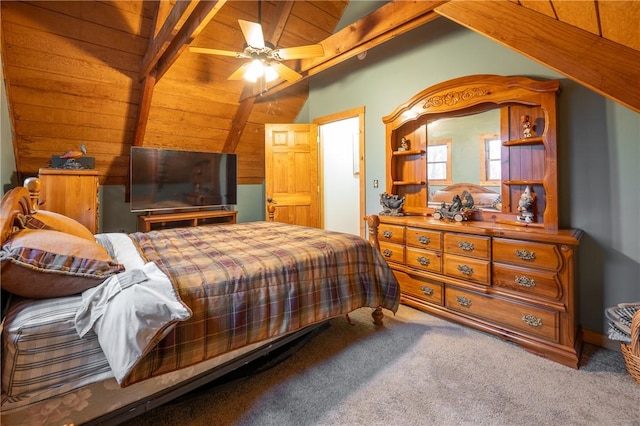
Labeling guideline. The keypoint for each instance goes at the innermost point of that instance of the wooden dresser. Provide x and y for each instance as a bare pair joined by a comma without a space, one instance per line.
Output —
475,162
518,284
73,193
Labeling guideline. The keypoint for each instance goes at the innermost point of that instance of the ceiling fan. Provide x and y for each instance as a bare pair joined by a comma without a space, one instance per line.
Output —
264,57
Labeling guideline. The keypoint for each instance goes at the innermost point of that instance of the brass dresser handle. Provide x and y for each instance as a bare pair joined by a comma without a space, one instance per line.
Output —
525,281
387,234
423,261
387,253
423,240
426,290
466,245
532,320
525,254
463,301
466,270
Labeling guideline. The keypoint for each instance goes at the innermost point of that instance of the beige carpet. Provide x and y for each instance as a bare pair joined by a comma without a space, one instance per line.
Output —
416,370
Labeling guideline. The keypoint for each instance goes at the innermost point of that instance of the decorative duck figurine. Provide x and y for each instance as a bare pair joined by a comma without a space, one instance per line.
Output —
73,155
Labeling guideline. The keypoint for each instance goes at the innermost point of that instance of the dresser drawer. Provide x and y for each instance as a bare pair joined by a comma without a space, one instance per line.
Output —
516,316
392,252
424,238
467,245
391,233
526,280
421,288
424,259
527,253
467,268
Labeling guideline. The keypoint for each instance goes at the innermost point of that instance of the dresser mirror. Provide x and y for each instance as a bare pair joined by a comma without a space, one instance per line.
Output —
465,150
489,135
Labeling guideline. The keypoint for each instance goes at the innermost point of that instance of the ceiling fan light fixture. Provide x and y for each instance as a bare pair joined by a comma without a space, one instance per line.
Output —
270,74
255,70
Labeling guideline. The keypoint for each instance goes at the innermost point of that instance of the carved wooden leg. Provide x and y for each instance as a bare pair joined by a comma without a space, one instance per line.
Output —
349,319
377,315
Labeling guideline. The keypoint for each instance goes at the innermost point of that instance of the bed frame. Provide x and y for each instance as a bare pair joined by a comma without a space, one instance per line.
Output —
24,200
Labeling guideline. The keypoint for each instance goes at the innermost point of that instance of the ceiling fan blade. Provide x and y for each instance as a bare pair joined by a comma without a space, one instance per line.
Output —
252,33
286,72
300,52
239,73
217,52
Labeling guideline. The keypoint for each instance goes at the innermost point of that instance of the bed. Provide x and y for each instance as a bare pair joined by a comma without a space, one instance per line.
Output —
100,328
483,197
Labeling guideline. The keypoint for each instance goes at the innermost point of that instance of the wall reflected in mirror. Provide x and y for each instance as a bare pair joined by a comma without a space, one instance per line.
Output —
464,153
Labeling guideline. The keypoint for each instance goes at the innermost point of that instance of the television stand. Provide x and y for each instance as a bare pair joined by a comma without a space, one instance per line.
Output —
152,222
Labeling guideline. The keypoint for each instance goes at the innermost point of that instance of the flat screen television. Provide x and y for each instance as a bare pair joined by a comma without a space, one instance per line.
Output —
167,179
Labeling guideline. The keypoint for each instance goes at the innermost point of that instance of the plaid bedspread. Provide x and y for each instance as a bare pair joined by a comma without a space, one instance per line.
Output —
252,281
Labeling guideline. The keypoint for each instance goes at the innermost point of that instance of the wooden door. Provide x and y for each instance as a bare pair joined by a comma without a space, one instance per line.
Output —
291,174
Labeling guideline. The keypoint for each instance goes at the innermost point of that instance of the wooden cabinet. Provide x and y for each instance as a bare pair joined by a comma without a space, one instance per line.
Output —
153,222
497,265
497,278
73,193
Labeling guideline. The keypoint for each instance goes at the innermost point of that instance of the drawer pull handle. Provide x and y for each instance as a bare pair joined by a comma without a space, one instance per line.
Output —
525,281
465,270
463,301
423,240
532,320
423,261
466,245
387,253
387,234
525,254
426,290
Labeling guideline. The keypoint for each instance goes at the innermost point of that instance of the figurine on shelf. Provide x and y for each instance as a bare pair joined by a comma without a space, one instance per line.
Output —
527,128
404,145
525,205
458,210
391,205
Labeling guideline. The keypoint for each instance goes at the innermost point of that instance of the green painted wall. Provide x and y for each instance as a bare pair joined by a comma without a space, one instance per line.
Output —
7,158
599,146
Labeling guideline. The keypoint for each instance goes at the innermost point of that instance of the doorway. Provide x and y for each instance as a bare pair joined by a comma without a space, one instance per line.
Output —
341,156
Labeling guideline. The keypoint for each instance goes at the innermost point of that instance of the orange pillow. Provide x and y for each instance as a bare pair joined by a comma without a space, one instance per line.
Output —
44,219
43,263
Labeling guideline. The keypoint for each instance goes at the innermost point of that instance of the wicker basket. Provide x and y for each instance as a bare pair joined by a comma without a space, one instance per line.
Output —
631,351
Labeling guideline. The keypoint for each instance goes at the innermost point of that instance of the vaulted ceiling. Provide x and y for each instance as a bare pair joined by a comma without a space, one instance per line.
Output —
113,74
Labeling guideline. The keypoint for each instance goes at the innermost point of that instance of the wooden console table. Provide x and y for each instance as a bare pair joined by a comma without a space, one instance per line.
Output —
152,222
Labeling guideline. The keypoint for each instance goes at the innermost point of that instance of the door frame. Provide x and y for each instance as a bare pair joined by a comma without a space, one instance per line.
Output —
339,116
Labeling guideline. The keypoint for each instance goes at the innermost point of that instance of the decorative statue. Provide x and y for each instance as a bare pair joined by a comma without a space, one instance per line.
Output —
526,126
468,202
404,145
525,205
458,210
456,204
391,205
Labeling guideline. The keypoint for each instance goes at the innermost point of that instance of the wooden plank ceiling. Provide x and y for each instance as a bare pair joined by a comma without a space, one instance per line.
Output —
112,74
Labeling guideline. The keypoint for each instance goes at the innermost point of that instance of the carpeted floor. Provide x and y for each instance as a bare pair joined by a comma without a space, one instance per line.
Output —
415,370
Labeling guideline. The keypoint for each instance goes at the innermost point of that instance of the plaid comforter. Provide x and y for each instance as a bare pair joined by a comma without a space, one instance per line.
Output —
253,281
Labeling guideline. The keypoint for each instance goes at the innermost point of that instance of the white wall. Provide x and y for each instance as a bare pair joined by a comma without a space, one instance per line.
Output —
340,184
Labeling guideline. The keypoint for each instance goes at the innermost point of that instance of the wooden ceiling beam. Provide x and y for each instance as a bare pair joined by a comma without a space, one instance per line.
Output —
383,24
603,66
193,26
166,34
179,28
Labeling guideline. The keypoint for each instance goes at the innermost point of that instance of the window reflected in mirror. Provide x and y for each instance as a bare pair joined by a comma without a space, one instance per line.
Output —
490,159
439,162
